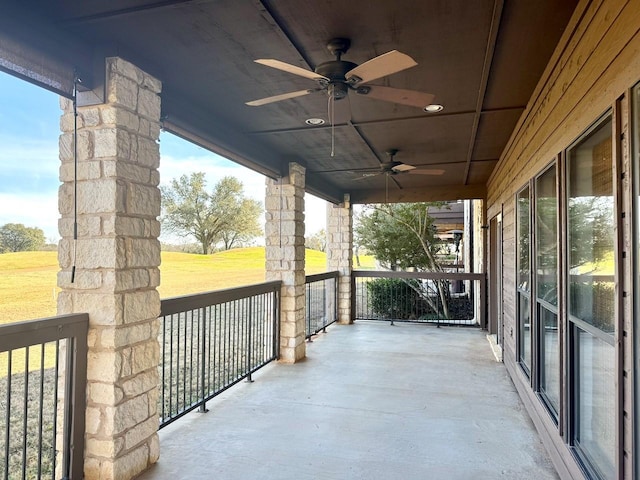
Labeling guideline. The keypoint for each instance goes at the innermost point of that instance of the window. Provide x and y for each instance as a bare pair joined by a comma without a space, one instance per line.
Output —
546,289
591,298
523,267
635,145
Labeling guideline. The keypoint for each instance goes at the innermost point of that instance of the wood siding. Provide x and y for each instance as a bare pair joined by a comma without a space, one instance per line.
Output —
594,65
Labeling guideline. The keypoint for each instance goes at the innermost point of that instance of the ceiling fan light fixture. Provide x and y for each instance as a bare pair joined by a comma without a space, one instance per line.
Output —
433,108
314,122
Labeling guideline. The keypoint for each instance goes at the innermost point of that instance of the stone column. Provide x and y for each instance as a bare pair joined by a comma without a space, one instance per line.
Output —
340,253
284,237
117,255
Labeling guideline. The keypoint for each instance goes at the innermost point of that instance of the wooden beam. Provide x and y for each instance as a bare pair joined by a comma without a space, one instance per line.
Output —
424,194
484,81
120,12
383,121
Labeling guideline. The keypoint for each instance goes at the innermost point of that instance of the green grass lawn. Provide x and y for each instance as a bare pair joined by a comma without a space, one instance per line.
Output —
28,279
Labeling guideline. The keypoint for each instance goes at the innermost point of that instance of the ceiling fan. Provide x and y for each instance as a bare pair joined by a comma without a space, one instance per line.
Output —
393,167
338,77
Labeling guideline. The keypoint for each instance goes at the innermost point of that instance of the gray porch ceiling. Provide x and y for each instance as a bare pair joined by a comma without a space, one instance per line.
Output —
481,60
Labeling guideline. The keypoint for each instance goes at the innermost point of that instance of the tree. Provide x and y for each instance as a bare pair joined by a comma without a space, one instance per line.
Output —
15,237
224,215
401,236
591,229
245,226
317,241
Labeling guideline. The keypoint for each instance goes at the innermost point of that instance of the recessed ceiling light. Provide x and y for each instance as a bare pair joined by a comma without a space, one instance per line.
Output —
314,121
433,108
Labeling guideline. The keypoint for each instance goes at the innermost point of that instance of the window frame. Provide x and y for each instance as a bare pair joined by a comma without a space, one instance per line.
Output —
520,293
538,303
634,122
571,363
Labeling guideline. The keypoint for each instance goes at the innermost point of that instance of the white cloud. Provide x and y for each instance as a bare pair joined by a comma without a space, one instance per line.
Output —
28,165
32,210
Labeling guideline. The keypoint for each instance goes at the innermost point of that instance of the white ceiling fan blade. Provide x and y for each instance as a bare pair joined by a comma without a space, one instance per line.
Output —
287,67
397,95
427,171
403,167
277,98
381,66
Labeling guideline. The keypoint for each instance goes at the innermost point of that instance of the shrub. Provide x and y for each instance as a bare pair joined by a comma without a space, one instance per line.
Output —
398,299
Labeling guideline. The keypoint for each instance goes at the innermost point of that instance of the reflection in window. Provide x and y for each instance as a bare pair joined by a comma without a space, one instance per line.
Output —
524,276
595,429
591,230
525,331
591,257
546,255
550,359
524,263
547,237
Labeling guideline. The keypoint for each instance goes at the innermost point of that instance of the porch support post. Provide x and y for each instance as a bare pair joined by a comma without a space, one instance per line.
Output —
117,255
340,253
285,255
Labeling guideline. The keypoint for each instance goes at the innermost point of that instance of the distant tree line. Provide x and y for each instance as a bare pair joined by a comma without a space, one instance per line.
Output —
15,237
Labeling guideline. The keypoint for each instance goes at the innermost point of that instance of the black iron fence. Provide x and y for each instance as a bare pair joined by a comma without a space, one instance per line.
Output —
321,298
440,298
43,371
211,341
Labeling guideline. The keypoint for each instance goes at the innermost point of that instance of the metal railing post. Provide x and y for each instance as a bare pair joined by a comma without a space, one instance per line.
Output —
324,306
203,367
336,298
276,321
249,340
67,422
308,312
79,401
353,297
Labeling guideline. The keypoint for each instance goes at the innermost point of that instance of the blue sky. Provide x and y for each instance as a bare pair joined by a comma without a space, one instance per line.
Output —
29,130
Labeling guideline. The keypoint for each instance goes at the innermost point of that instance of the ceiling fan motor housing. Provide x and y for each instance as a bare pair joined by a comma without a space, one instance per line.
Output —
335,71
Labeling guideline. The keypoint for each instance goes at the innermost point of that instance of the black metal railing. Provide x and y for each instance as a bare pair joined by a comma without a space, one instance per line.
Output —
211,341
425,297
43,372
321,298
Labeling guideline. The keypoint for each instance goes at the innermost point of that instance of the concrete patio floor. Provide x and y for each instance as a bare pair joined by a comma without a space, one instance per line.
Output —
371,401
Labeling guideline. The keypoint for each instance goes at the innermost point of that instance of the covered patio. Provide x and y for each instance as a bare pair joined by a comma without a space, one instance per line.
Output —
529,107
369,401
